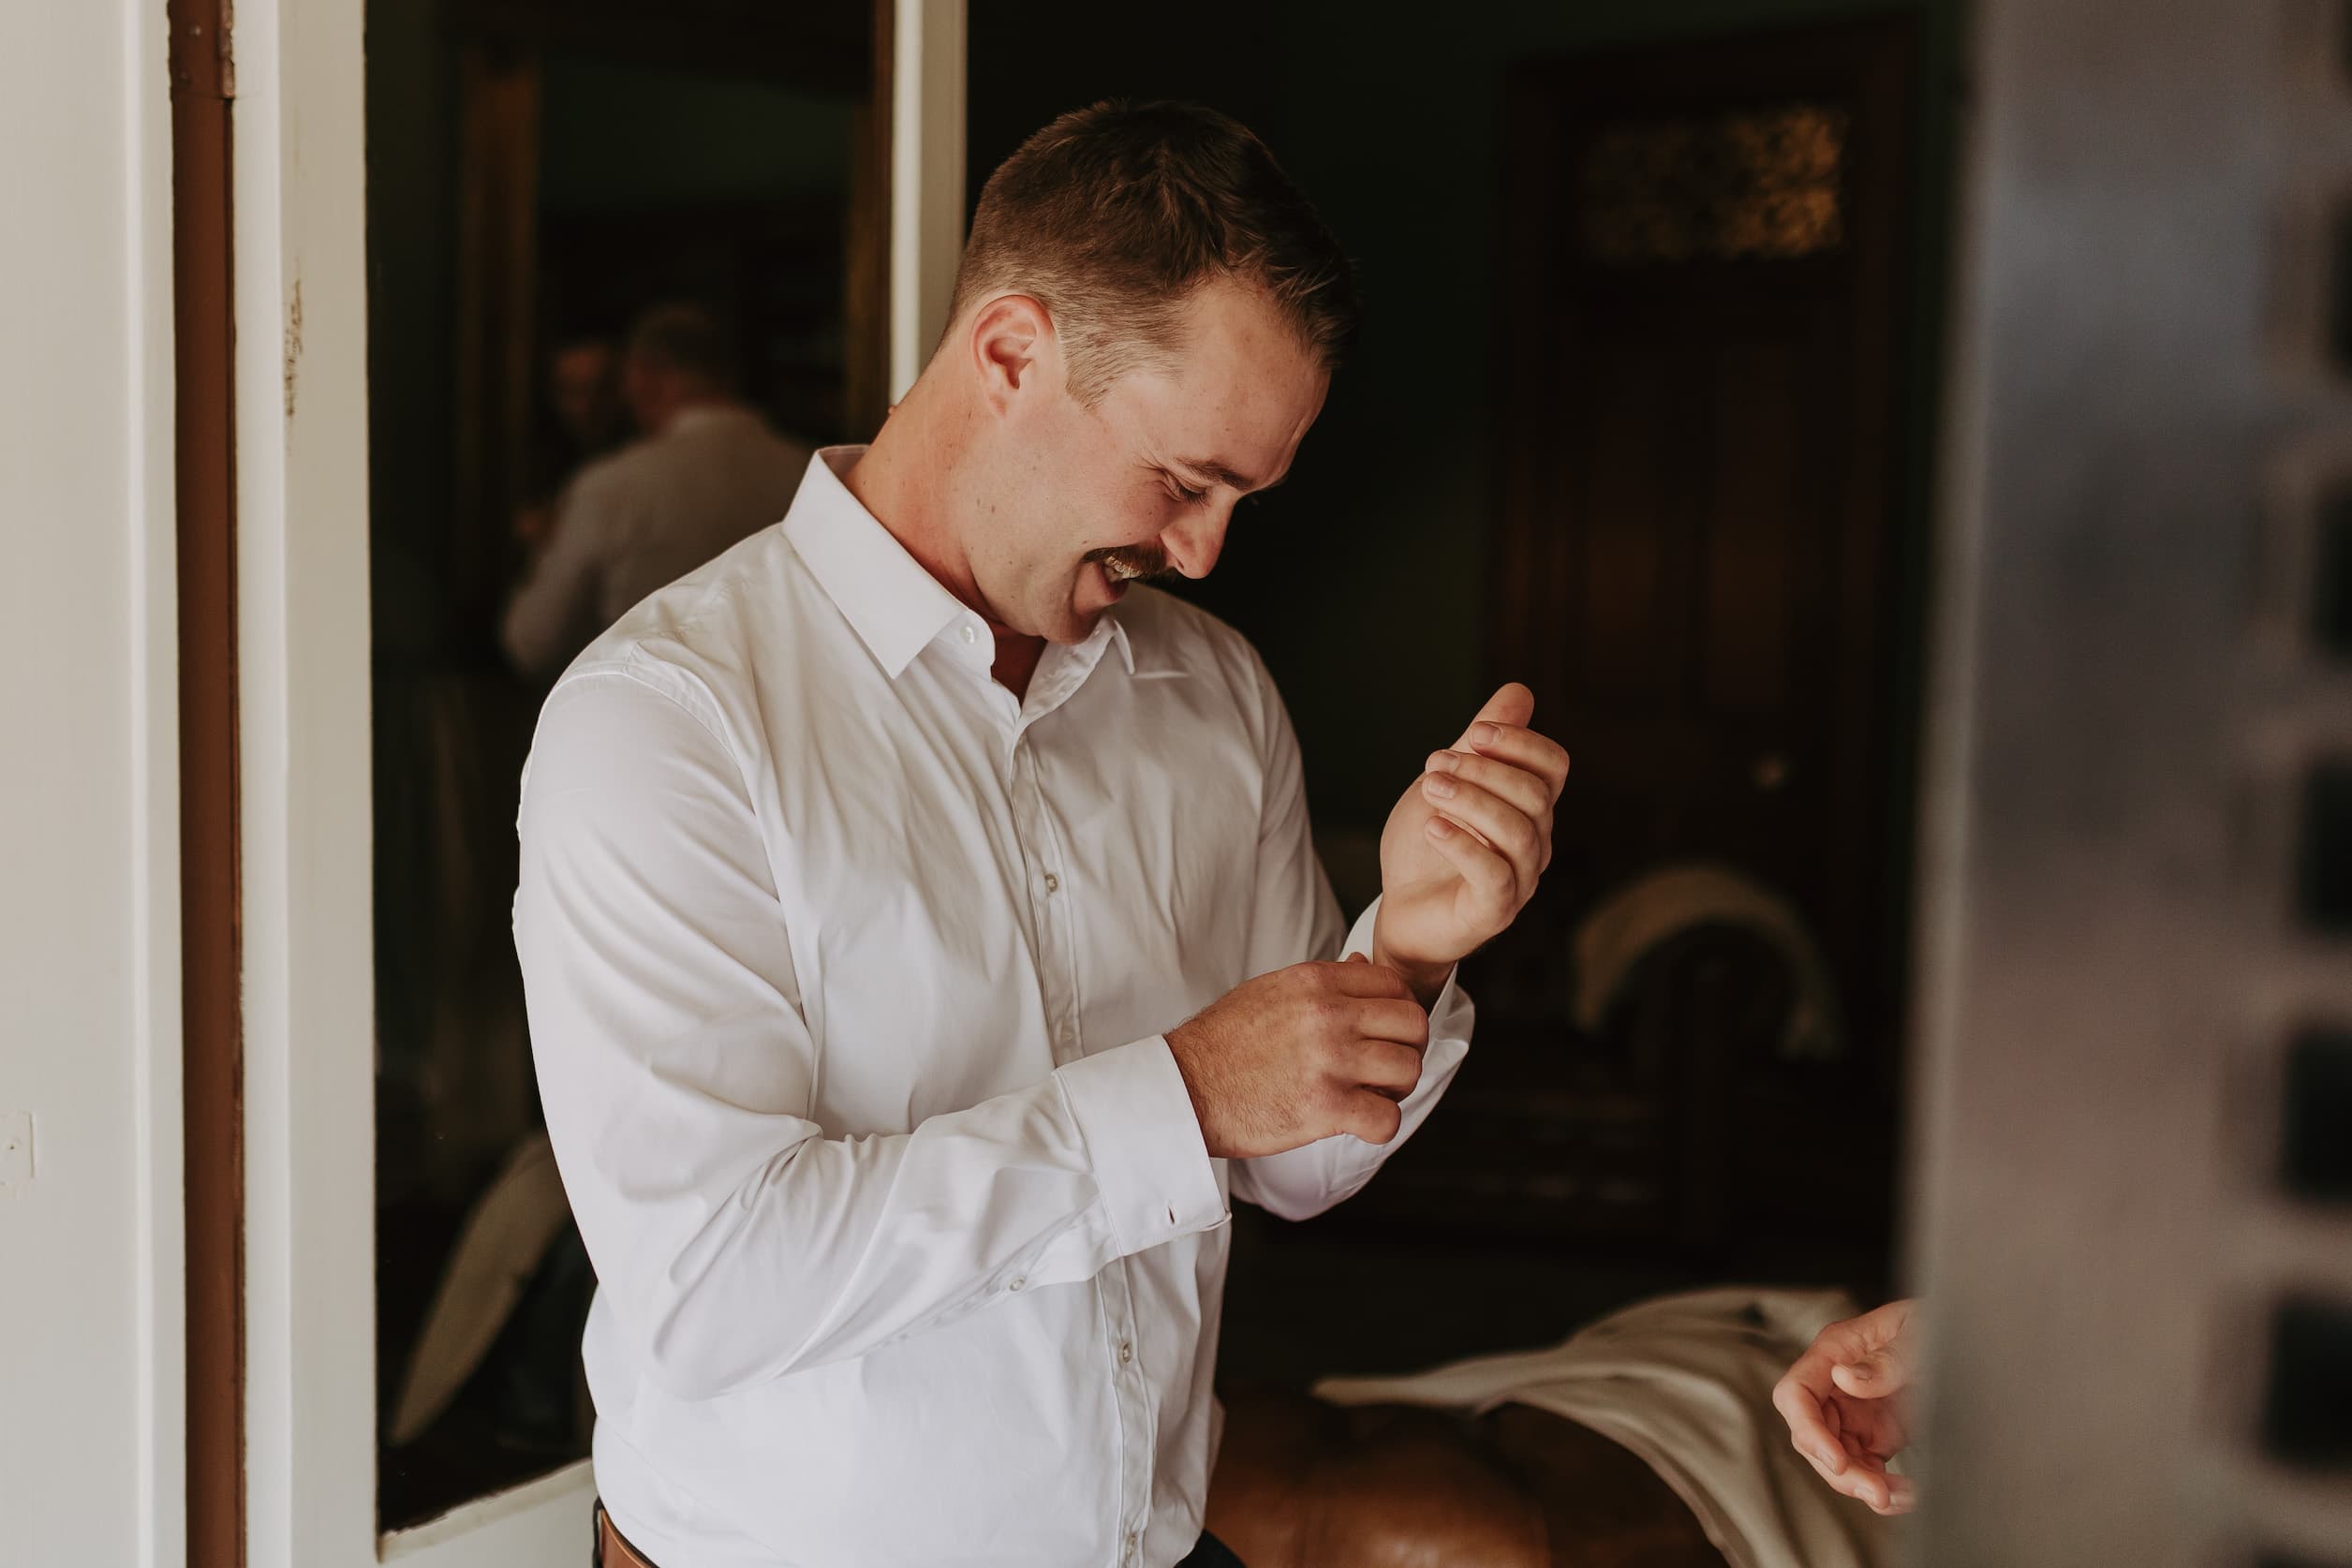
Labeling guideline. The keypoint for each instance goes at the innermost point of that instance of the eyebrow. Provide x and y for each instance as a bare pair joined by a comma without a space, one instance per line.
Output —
1223,474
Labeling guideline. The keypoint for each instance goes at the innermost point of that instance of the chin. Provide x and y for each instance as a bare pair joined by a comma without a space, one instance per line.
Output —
1076,625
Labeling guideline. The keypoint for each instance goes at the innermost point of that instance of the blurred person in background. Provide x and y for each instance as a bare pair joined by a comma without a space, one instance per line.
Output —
705,472
583,396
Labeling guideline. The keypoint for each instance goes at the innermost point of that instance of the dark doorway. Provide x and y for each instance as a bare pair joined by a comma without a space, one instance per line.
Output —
1702,562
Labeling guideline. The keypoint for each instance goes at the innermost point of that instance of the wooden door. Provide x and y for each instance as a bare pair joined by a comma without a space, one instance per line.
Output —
1698,457
1703,306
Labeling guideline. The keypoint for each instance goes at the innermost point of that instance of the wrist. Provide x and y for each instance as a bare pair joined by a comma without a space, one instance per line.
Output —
1426,978
1179,1051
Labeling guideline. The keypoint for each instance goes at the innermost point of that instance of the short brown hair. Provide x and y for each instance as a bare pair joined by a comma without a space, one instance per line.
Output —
1112,215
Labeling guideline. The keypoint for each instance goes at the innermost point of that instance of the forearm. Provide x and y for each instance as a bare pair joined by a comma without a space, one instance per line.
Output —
733,1269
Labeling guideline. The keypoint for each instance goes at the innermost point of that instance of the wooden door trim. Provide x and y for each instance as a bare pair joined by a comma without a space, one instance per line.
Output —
211,1042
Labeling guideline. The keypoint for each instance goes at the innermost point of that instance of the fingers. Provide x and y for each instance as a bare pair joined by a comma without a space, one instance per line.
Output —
1797,1398
1517,834
1866,1481
1501,731
1392,1068
1520,747
1860,1470
1871,1352
1488,876
1372,1115
1874,1376
1357,976
1511,703
1397,1022
1527,792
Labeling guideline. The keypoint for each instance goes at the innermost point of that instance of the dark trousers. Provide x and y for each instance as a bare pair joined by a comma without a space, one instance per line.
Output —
1211,1553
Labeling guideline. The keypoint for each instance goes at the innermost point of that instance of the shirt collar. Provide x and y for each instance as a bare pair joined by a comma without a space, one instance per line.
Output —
1108,629
897,607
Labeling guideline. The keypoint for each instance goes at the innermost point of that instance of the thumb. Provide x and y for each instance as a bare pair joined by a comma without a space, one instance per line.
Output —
1512,705
1872,1377
1356,958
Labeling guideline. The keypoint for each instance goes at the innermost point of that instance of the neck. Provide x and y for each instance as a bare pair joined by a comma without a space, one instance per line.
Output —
908,481
1017,657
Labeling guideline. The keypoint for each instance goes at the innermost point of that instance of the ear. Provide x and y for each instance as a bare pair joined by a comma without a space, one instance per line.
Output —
1013,350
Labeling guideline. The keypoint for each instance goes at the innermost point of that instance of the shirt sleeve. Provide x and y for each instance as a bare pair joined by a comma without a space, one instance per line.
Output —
1295,917
553,613
737,1240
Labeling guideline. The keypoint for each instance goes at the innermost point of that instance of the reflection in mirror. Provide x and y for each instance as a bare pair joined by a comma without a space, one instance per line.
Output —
608,248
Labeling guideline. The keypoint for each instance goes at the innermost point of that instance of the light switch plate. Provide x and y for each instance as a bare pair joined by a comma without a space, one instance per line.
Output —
16,1151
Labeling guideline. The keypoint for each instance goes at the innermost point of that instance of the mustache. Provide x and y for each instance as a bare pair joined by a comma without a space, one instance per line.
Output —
1143,562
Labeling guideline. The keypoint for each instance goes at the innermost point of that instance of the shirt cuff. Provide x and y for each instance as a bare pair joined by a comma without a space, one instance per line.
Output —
1450,1016
1143,1139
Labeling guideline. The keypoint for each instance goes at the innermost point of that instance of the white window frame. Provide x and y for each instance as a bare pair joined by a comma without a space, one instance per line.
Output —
306,815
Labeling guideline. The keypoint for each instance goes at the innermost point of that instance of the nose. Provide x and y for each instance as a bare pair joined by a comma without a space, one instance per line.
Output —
1194,544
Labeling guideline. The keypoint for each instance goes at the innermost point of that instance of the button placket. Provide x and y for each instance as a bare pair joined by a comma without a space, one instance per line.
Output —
1057,962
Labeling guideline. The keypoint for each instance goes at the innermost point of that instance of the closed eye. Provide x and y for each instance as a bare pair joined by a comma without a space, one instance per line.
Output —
1182,491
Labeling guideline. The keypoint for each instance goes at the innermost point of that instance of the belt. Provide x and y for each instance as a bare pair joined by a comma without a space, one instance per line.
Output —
613,1549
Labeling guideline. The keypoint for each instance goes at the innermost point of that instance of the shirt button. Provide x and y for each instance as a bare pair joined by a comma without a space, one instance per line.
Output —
1019,1280
1125,1351
969,635
1131,1546
1053,883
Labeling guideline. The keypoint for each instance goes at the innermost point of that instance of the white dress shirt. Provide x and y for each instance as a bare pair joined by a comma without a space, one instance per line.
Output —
644,516
848,972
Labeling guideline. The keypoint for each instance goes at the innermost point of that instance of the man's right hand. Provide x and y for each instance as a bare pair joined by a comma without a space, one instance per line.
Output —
1301,1054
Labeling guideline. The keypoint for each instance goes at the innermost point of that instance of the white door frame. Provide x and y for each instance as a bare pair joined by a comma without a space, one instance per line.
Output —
300,254
926,178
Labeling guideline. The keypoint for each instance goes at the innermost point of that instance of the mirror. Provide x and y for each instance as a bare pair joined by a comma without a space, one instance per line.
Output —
557,190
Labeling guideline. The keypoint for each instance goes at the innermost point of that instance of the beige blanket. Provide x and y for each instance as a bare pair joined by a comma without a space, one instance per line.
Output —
1685,1381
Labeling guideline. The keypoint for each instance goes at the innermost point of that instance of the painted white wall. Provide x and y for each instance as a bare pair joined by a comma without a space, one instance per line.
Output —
90,1300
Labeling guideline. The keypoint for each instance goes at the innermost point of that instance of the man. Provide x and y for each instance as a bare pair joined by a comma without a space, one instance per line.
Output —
583,396
1844,1401
923,935
706,473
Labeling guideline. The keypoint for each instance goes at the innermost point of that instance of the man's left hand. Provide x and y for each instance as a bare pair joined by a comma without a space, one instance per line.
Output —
1465,846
